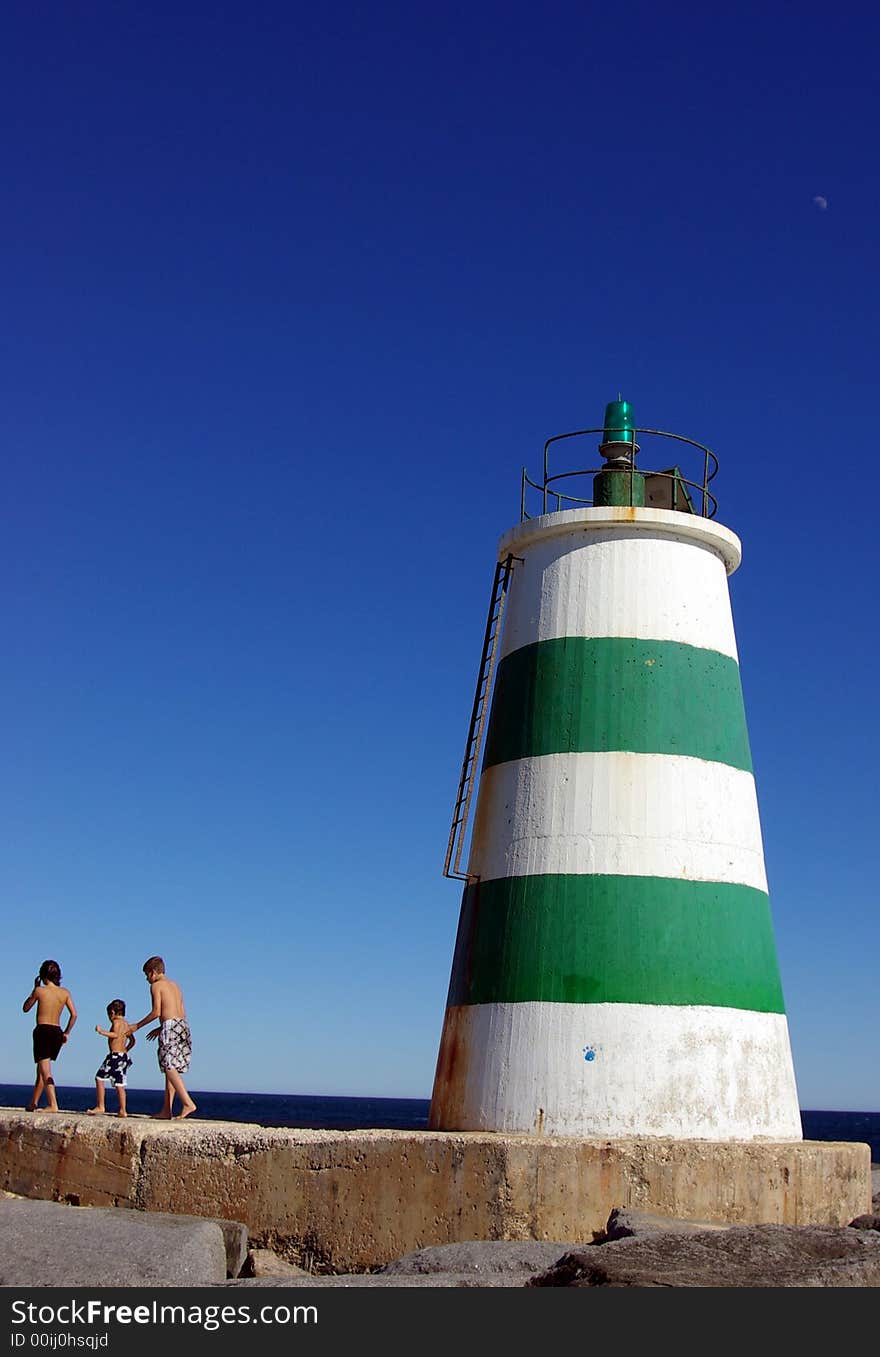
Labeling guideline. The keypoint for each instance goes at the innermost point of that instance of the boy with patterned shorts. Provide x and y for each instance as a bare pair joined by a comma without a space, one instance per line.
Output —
175,1041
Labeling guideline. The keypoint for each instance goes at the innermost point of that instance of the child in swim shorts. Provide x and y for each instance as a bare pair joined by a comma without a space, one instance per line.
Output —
51,998
175,1041
117,1062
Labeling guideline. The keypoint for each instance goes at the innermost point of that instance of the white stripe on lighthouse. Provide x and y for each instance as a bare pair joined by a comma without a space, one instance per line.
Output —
618,813
706,1073
644,586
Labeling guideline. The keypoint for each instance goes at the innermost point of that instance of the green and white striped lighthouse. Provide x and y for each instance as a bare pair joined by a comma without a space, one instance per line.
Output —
615,970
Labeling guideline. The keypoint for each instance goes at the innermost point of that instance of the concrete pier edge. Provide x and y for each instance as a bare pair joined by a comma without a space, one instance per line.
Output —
353,1200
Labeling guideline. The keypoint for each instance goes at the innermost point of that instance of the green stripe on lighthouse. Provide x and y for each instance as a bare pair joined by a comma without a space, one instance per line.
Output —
616,939
576,694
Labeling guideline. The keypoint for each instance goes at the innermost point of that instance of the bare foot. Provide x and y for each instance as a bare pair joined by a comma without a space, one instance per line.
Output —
187,1112
96,1112
122,1114
161,1116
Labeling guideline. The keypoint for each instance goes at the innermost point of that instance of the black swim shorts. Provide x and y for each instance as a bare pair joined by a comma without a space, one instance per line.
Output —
48,1041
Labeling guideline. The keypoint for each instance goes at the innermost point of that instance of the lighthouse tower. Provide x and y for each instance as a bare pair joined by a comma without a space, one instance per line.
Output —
615,971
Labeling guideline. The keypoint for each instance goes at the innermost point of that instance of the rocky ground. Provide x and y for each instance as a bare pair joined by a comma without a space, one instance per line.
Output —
49,1244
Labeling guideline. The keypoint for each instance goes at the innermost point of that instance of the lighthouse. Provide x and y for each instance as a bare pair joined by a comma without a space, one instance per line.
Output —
615,970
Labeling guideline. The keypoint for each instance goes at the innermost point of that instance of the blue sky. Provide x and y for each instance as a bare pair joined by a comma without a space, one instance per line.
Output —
289,297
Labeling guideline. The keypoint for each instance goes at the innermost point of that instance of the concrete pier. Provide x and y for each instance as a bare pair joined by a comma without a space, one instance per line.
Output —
352,1200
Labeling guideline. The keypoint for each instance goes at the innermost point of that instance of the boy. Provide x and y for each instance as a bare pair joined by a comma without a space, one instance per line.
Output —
120,1039
175,1041
51,999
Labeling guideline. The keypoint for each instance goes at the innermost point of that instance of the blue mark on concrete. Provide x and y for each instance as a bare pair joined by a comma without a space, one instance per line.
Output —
589,1053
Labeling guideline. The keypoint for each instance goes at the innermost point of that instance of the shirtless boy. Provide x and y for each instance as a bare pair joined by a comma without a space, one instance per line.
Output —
117,1061
175,1041
51,999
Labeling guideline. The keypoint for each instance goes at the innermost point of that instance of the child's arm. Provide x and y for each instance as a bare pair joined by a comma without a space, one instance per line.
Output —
69,1005
152,1015
32,997
129,1039
101,1031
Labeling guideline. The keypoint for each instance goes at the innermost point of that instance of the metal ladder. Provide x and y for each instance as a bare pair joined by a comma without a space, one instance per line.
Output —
452,865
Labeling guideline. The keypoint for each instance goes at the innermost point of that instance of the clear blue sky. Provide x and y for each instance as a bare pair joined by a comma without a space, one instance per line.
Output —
290,294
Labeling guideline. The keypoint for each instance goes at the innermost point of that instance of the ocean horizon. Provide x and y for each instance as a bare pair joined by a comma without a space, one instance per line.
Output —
326,1112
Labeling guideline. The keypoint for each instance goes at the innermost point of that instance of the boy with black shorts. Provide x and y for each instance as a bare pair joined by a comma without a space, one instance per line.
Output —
51,999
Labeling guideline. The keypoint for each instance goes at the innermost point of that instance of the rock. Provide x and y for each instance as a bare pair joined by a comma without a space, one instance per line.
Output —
265,1263
235,1241
480,1258
869,1222
378,1280
49,1244
624,1223
355,1200
742,1255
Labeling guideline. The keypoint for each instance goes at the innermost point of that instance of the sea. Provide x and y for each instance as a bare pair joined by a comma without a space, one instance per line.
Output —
305,1111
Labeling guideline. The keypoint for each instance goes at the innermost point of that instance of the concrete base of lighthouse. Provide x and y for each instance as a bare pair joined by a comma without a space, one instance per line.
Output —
352,1200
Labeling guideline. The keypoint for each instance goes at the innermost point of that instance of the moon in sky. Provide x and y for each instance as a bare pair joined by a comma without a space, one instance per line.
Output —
821,203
